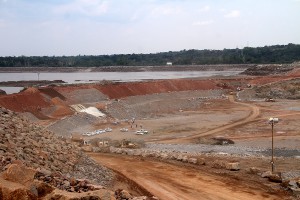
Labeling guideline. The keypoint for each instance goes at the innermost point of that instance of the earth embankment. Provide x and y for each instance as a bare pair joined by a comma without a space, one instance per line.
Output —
34,100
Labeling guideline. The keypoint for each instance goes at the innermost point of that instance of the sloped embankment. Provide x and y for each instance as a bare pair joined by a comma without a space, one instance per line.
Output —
53,102
28,101
40,148
121,90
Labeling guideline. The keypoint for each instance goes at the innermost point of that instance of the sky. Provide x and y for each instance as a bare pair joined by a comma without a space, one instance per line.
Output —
105,27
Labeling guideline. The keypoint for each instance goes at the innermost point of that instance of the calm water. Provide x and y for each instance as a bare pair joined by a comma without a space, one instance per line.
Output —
85,77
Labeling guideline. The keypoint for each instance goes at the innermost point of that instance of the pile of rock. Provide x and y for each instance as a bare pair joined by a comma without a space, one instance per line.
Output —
37,147
18,182
62,182
271,69
143,106
125,195
181,157
289,180
36,164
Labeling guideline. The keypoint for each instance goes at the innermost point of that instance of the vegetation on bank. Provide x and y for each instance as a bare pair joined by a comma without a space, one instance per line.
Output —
248,55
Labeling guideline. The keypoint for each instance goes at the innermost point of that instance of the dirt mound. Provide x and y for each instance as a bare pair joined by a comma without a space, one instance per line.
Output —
31,90
57,101
39,148
78,123
289,89
121,90
52,93
28,101
81,94
145,106
263,70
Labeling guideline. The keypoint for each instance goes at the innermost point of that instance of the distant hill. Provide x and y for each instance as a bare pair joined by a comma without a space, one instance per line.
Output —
248,55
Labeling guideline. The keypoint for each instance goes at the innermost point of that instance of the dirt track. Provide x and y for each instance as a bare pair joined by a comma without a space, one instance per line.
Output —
255,112
168,181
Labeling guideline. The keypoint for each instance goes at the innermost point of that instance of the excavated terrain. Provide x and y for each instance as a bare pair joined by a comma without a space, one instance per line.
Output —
185,120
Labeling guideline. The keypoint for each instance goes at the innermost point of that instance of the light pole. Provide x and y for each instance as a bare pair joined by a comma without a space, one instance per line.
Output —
273,121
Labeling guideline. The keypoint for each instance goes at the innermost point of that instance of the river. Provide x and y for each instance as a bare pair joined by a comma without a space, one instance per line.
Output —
89,77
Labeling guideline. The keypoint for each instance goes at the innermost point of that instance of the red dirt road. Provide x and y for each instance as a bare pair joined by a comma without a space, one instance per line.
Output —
168,181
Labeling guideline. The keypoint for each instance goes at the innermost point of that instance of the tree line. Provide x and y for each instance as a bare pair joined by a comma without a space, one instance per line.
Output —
248,55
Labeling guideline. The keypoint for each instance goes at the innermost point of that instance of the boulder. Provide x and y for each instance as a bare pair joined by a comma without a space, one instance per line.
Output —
275,178
254,170
201,161
290,184
101,194
137,153
119,151
125,194
19,173
266,174
164,156
179,157
42,188
296,191
184,159
218,164
192,160
15,191
130,152
233,166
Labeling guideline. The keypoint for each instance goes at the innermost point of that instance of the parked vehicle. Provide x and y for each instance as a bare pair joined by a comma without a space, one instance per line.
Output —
124,129
141,132
108,129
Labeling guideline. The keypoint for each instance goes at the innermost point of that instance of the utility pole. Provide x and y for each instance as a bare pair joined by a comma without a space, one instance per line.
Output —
272,121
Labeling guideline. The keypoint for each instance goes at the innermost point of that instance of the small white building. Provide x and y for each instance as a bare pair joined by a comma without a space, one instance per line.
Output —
169,63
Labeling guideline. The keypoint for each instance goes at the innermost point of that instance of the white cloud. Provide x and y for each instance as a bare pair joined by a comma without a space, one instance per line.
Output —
84,7
233,14
166,10
204,9
203,23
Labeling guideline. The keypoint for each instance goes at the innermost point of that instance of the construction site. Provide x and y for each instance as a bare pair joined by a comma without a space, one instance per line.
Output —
192,138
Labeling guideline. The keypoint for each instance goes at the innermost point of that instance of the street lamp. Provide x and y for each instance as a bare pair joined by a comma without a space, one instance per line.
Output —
273,121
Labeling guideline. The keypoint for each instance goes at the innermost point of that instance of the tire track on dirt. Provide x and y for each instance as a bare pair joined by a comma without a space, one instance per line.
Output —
255,112
168,181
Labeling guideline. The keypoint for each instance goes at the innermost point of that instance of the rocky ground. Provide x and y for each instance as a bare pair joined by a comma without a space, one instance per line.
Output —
271,69
29,152
149,106
39,148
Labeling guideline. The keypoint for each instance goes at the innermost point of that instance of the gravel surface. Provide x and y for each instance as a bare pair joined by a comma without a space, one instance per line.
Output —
78,123
83,96
221,149
152,105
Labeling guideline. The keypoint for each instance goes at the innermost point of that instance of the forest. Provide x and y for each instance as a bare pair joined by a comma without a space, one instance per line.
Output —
249,55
